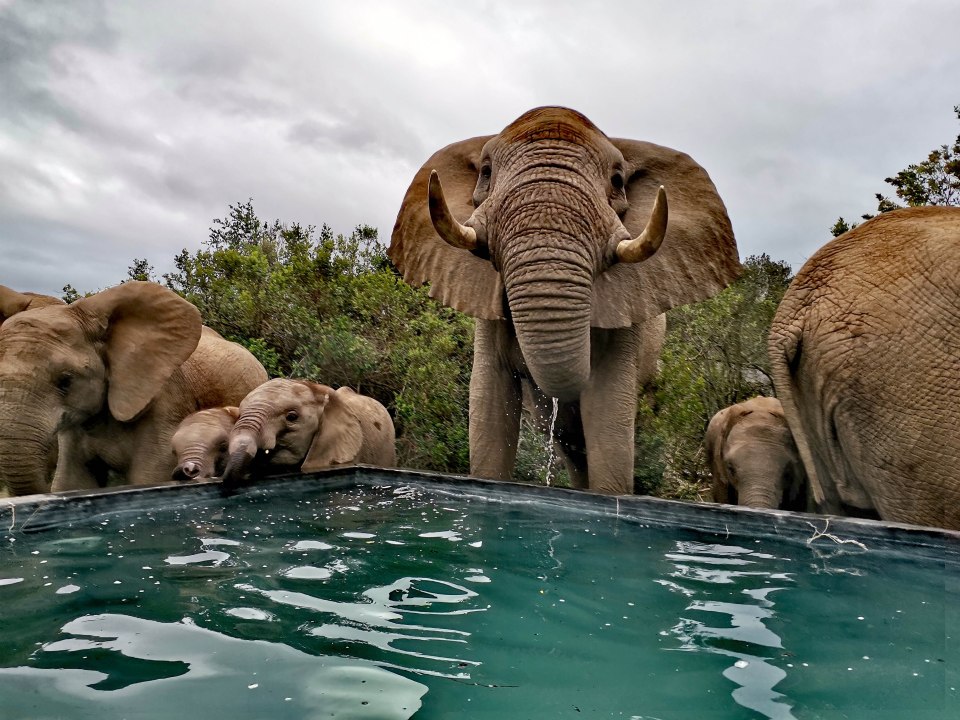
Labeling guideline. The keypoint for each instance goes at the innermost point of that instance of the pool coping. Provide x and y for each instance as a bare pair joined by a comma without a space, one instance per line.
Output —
36,513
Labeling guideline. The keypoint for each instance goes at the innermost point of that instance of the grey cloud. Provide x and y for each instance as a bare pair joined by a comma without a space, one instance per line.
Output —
322,112
30,35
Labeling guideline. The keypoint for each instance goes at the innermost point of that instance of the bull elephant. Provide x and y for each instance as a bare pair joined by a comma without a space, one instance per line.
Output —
111,376
289,425
753,458
864,352
13,302
200,443
557,239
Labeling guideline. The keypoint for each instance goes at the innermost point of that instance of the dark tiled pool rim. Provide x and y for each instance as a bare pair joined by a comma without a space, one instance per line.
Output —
36,513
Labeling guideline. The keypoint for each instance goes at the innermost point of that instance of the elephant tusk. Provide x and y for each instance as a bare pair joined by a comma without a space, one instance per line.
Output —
648,242
446,225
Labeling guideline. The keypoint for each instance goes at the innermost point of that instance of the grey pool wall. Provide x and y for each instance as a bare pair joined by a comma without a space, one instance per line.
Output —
37,513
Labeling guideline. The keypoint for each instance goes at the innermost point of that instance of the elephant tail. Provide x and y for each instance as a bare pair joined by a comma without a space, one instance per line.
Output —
785,349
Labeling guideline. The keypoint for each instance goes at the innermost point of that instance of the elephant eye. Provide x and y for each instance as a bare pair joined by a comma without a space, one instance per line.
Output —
617,181
64,382
292,416
485,172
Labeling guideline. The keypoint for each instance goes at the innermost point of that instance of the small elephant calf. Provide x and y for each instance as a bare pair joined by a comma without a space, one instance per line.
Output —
200,443
289,425
753,457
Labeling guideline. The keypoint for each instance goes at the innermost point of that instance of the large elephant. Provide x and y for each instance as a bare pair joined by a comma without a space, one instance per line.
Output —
13,302
111,376
289,425
753,458
865,353
200,443
543,234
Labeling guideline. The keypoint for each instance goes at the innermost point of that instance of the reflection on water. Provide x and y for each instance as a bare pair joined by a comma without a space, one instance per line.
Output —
219,676
734,629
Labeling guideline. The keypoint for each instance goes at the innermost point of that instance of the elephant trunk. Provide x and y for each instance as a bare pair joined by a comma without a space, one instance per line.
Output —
549,247
762,485
26,453
552,321
240,456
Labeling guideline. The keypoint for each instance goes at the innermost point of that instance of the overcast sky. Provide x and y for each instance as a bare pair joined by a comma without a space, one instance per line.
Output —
127,127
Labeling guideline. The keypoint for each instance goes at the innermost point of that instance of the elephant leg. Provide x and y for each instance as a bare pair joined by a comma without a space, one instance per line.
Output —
495,401
608,408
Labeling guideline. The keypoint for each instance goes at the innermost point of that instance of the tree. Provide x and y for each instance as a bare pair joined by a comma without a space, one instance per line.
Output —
934,181
140,269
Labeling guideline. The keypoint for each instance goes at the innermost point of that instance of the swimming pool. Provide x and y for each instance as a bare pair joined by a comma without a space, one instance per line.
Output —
363,593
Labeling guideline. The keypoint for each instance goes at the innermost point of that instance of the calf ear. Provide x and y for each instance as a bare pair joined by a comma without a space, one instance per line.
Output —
147,332
713,445
339,437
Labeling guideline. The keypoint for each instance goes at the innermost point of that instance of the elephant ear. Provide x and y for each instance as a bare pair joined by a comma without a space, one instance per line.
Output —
698,257
148,331
713,444
340,435
13,302
457,277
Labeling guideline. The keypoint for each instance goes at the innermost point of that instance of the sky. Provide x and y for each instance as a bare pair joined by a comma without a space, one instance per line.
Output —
126,128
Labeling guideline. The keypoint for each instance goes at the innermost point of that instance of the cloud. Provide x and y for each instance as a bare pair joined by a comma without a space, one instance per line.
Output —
126,128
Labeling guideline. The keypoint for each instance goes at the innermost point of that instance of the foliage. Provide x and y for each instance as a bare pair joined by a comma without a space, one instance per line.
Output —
311,304
70,294
934,181
715,355
140,269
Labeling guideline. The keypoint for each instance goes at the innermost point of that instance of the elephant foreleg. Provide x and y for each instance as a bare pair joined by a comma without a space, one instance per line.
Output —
608,408
495,400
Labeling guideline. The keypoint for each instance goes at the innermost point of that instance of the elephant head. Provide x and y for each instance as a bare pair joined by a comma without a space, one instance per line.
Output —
288,424
62,365
201,441
753,457
558,228
13,302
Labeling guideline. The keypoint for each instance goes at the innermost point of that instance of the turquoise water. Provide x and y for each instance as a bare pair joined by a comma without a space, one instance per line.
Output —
398,602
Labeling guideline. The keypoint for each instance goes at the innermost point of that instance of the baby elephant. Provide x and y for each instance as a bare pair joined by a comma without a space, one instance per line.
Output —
290,425
200,443
753,457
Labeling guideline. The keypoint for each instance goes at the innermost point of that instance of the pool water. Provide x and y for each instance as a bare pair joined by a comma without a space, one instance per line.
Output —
380,601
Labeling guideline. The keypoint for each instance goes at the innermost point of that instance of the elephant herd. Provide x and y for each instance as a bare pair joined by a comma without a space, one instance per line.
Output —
127,386
567,247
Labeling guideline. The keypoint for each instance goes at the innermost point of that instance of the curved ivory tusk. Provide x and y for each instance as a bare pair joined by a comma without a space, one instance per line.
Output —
446,225
648,242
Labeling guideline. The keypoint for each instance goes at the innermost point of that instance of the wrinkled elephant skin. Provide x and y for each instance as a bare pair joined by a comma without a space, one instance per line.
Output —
865,355
200,443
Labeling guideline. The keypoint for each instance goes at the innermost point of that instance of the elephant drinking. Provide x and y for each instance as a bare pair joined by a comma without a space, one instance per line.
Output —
559,241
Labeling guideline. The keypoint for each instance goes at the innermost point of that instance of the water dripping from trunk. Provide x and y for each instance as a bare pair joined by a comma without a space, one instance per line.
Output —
553,422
